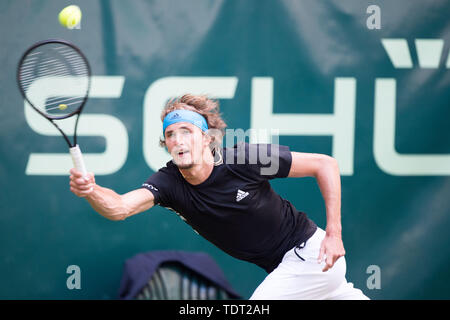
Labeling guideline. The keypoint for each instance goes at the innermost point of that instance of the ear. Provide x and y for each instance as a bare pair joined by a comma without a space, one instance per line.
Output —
207,139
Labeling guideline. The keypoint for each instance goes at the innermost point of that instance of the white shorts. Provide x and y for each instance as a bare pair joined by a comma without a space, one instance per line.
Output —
295,279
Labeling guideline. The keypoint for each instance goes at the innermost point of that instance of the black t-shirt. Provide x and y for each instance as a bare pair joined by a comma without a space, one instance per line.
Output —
236,208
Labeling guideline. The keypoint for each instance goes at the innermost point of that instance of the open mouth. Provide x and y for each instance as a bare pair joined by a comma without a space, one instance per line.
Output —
182,153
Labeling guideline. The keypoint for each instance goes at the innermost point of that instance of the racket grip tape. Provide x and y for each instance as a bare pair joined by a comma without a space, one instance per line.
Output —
77,159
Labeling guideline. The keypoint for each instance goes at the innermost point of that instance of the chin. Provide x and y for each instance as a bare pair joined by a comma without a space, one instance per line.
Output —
184,165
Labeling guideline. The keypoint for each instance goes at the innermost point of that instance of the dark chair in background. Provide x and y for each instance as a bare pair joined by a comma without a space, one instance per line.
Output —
173,281
174,275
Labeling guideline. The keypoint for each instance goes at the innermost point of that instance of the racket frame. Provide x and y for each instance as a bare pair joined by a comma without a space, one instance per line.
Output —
76,112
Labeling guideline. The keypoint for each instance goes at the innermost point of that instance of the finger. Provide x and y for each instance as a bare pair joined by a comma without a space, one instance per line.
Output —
81,181
81,193
88,187
76,192
81,187
328,265
87,191
89,177
321,254
83,177
76,173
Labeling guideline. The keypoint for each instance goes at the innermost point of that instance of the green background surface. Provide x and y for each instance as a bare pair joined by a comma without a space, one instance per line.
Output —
399,223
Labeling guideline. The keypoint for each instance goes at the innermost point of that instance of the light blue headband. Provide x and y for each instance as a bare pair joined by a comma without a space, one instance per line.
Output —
183,115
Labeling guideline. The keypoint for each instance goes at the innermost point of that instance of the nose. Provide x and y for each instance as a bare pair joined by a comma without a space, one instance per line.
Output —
177,139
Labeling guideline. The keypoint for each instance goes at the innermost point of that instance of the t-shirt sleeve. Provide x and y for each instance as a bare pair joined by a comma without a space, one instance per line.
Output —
260,161
159,184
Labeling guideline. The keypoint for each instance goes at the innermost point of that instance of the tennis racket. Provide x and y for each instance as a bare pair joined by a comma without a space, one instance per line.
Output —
54,77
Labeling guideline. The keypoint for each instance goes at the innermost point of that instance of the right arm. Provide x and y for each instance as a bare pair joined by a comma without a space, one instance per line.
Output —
107,202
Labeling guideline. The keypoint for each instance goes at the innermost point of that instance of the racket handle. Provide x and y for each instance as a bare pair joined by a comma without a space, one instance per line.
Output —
77,159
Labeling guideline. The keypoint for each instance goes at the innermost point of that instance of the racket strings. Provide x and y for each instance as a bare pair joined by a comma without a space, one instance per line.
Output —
61,73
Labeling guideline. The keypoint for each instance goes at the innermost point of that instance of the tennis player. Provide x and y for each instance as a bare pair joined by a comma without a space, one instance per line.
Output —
224,194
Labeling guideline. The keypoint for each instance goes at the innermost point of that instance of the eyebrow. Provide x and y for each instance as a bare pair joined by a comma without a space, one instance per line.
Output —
182,127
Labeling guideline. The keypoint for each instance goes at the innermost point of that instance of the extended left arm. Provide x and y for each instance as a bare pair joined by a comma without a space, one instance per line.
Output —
326,171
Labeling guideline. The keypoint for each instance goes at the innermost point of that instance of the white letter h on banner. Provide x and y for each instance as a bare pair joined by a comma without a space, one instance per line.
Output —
340,124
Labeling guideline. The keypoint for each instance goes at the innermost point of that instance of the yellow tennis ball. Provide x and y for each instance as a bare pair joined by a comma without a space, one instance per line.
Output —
62,106
70,16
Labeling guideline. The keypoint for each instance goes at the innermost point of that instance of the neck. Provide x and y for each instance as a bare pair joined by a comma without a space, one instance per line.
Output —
199,172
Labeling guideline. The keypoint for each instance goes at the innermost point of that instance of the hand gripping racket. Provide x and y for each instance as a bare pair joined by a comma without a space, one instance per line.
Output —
54,77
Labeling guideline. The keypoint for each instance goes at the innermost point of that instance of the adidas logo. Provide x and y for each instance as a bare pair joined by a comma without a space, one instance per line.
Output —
175,116
241,195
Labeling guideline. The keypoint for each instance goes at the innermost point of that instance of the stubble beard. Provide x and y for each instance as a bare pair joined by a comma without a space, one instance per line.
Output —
185,166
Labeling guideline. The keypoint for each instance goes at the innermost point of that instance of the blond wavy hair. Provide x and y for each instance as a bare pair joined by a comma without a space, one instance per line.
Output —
205,106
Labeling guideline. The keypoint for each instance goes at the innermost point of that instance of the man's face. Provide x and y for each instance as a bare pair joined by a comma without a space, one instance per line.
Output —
185,143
